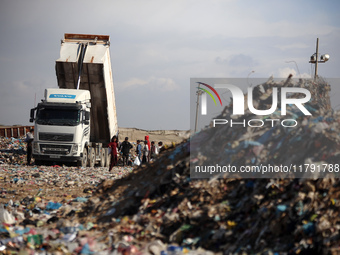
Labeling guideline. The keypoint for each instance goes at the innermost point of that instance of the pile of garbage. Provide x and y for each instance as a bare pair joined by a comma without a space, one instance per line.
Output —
12,150
307,145
37,203
238,216
159,208
160,202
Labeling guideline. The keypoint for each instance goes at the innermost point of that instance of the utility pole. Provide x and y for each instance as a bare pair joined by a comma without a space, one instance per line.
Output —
316,62
198,93
314,59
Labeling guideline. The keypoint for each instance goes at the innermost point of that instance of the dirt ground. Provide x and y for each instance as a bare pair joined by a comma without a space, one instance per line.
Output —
33,179
166,136
53,183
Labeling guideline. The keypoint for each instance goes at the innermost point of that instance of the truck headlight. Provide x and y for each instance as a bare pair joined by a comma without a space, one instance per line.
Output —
35,147
75,148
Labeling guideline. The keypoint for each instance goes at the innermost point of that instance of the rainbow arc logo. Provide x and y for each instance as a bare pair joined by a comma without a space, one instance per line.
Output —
204,97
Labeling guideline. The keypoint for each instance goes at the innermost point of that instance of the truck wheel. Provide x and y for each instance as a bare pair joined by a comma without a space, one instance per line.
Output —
102,157
83,161
107,157
92,157
38,162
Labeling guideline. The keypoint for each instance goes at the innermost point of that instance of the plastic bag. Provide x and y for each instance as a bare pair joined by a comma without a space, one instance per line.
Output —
137,161
53,206
109,150
5,216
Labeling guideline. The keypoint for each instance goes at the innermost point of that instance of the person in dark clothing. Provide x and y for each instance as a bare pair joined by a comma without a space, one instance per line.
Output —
153,151
114,159
29,140
125,149
139,151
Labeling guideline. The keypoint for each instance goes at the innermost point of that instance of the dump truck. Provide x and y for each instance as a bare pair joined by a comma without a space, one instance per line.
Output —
75,122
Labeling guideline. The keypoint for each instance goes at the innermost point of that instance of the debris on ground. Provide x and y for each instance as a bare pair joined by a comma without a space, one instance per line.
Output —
157,208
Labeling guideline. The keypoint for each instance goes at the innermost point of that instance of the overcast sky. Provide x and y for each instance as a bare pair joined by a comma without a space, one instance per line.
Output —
157,46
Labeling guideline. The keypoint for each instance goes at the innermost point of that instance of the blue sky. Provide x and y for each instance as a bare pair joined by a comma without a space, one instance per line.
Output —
157,46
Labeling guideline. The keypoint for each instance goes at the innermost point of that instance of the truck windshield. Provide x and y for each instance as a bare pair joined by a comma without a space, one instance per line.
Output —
58,117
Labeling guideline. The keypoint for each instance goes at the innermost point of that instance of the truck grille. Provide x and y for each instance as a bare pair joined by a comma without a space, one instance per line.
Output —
56,137
55,149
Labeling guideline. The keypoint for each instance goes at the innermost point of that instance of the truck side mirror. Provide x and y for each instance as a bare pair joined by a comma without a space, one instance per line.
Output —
32,114
87,115
87,118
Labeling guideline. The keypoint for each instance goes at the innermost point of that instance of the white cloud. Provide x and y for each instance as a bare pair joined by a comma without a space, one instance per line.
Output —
292,46
286,71
240,60
152,83
156,46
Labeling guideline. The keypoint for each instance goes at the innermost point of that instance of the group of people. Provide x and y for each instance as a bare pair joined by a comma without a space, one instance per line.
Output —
149,151
144,153
114,147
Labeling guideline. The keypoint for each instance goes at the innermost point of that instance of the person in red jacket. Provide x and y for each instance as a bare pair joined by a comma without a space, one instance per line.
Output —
149,144
114,159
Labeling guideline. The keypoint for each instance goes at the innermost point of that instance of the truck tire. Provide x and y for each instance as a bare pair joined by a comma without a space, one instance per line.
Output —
102,157
83,161
107,157
38,162
92,157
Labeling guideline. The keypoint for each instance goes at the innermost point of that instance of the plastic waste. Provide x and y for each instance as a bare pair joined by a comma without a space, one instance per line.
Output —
136,161
155,247
174,250
5,216
53,206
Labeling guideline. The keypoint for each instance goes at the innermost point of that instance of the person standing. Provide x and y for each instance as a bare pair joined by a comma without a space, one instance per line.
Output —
153,151
139,151
125,149
29,140
114,159
146,153
160,147
149,146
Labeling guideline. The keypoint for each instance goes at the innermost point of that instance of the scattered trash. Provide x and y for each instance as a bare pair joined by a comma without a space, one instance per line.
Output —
158,208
